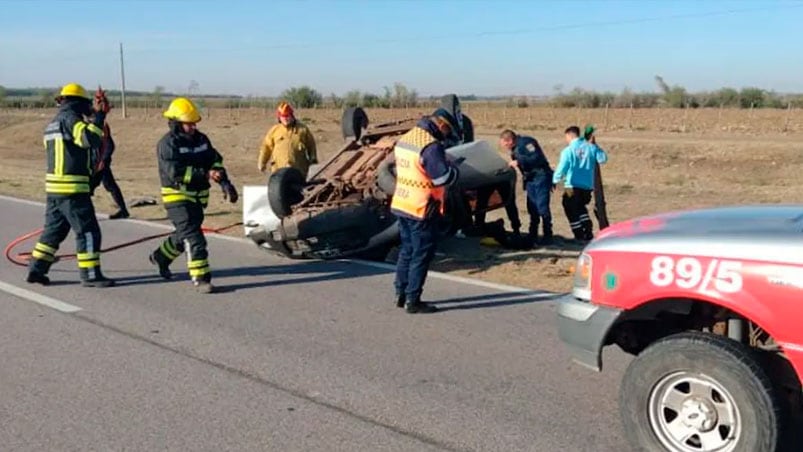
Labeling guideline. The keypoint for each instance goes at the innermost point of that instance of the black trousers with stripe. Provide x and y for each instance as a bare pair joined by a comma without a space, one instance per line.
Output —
188,219
574,205
63,213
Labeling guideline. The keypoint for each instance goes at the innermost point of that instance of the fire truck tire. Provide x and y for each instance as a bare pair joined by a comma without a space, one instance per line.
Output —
694,391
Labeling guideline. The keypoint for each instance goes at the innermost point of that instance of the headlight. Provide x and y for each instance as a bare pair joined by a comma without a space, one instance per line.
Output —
581,282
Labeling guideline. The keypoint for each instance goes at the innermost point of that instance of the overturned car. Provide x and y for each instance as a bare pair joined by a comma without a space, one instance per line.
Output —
343,209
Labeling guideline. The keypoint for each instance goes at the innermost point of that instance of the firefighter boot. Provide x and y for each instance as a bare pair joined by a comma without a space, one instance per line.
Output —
203,284
37,277
93,277
37,271
161,261
414,305
120,214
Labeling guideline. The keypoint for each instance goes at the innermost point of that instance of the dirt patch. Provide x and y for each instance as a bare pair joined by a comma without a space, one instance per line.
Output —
723,157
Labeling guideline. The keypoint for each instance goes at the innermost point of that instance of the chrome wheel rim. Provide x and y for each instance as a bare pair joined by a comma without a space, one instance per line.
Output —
691,412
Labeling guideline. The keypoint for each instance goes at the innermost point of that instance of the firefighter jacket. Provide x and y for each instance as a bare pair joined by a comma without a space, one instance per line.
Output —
285,146
184,164
72,146
422,173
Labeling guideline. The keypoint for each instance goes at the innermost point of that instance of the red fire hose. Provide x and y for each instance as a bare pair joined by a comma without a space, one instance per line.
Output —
21,259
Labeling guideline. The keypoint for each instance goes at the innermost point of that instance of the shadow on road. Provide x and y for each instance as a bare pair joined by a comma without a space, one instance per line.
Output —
494,300
315,271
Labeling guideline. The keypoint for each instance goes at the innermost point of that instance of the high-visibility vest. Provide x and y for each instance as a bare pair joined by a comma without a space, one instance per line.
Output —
414,187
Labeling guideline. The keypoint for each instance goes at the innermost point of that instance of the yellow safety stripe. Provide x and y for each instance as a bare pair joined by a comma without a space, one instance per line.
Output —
170,195
198,263
198,267
168,250
45,248
58,161
36,254
88,260
188,175
78,132
66,178
217,165
66,188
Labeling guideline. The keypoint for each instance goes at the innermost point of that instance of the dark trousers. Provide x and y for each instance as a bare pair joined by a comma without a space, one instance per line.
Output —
507,192
63,213
187,218
574,204
107,178
418,245
538,194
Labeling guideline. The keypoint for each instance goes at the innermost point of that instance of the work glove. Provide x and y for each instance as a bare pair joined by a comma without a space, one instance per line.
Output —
216,175
229,192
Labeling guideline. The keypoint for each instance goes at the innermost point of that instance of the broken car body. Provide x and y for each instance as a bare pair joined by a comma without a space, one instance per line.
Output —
343,209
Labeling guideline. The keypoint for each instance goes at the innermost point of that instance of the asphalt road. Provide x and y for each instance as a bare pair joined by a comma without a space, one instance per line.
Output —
290,356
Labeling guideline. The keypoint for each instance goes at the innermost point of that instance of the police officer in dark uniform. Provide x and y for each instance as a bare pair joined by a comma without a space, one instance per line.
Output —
526,155
187,162
72,146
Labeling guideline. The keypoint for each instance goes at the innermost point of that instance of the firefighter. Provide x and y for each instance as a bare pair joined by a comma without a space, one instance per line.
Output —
107,177
577,164
422,175
526,155
288,143
187,162
72,145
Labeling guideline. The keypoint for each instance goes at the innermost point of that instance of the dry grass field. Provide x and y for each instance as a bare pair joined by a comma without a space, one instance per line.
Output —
660,159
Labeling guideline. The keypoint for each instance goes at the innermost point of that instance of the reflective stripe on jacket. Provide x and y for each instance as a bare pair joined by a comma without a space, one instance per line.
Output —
184,164
414,188
72,146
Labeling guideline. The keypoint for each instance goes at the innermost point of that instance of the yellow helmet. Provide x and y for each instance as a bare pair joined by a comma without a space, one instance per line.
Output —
183,110
74,89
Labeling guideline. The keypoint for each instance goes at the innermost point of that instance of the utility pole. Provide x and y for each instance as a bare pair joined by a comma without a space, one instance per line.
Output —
122,77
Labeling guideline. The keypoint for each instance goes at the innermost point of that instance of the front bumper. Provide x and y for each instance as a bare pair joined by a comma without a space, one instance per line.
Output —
583,326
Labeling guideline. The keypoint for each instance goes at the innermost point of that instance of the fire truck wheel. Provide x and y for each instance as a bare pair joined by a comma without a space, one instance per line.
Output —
696,391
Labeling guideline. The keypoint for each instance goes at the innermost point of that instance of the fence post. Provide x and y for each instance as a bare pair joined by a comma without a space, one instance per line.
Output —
630,117
788,115
605,119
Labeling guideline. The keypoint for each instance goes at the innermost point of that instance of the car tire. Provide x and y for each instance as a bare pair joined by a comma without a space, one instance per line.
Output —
386,177
352,123
285,189
699,377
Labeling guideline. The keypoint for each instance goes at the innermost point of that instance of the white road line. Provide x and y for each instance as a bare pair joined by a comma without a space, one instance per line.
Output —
386,266
38,298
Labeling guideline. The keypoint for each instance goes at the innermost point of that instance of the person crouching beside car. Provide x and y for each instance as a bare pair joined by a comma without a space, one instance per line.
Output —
422,175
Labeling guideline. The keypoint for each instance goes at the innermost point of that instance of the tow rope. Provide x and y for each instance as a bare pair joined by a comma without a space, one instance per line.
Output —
21,259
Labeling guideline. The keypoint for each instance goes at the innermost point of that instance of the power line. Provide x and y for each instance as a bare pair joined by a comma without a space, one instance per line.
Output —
481,34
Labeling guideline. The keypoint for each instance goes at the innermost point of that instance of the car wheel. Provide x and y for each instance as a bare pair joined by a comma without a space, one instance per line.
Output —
353,121
695,392
386,177
285,189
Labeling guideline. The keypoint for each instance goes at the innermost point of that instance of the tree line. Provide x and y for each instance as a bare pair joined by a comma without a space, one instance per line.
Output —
400,96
